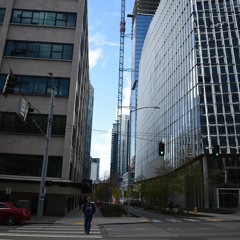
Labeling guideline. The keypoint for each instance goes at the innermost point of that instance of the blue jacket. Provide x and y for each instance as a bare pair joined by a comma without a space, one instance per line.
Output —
85,207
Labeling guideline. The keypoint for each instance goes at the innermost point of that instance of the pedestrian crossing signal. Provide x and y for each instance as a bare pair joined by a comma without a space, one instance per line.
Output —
161,149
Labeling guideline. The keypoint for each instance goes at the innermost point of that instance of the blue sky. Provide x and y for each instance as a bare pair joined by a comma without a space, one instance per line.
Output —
104,42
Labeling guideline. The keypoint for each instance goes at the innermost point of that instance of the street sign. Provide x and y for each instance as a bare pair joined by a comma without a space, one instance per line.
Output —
22,107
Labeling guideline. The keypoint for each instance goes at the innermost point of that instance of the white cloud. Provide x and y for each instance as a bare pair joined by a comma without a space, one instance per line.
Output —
94,56
99,39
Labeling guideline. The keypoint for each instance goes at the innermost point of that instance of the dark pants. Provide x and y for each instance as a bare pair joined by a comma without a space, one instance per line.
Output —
87,223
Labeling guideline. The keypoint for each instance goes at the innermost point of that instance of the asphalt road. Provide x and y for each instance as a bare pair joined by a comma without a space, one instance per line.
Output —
173,231
163,227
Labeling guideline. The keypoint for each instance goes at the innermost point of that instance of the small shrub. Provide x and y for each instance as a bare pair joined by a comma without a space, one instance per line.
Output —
113,210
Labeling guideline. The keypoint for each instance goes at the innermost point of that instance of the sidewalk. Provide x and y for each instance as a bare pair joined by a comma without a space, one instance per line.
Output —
76,217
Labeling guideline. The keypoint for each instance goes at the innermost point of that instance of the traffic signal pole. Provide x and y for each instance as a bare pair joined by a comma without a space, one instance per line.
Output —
45,158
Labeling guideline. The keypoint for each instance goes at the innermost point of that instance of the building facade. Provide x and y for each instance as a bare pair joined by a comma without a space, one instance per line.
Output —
143,13
87,160
37,38
95,168
114,155
190,69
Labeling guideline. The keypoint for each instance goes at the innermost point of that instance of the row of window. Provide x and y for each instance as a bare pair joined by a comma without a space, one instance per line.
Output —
27,165
39,50
219,3
12,123
44,18
38,85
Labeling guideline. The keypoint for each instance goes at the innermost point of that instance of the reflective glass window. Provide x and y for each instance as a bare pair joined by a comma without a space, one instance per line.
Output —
40,85
2,14
39,50
60,19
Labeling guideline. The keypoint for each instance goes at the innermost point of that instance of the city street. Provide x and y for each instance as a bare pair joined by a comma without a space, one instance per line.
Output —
171,230
150,226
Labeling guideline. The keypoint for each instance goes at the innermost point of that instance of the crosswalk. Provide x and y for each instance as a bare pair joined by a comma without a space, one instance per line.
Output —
52,231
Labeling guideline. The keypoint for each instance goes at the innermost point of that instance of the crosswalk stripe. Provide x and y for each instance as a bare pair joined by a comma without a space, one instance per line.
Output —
191,220
173,220
53,231
51,236
155,220
62,229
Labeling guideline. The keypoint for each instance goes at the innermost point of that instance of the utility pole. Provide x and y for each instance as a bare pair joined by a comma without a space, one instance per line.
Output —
45,158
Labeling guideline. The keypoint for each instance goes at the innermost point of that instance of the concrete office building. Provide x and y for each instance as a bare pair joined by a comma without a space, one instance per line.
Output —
37,38
87,159
190,67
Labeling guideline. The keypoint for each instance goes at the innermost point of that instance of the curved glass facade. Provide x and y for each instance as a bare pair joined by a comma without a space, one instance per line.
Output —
189,68
140,27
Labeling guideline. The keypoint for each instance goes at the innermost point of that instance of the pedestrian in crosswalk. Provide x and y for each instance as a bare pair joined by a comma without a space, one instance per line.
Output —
88,211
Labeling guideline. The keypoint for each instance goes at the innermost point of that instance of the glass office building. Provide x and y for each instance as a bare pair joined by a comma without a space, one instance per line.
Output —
190,68
143,13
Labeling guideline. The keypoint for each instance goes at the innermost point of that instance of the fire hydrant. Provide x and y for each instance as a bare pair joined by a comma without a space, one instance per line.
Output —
195,211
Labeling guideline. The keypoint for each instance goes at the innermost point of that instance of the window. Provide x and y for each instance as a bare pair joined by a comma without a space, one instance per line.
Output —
38,85
2,14
2,205
11,122
29,165
45,51
39,50
220,119
222,130
44,18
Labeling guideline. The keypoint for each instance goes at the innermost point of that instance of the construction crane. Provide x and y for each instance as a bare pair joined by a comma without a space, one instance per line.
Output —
120,81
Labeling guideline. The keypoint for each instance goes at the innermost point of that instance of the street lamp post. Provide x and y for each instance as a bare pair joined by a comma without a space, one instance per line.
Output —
129,155
45,158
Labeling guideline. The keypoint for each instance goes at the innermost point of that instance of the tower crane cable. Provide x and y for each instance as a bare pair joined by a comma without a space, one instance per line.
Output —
120,79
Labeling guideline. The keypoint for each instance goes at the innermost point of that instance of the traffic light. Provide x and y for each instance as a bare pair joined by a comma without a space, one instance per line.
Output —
216,150
161,149
9,85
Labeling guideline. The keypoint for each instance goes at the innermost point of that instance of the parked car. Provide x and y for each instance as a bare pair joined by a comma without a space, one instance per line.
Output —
11,214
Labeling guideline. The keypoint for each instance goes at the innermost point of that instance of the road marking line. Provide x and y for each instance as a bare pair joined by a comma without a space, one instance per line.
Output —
173,220
81,222
155,220
51,236
191,220
215,219
62,232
